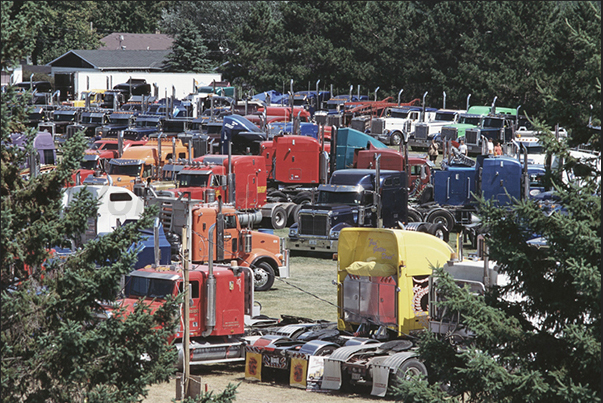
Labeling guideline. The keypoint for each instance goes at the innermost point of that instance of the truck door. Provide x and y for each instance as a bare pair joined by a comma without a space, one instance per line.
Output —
194,310
231,236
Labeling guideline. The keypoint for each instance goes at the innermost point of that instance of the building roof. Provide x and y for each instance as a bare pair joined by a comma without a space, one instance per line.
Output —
116,40
104,60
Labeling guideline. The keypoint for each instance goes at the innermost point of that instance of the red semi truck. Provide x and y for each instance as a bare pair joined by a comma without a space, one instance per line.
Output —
275,183
419,169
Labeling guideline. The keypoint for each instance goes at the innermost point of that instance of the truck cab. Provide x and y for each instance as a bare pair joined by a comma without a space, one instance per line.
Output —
390,128
419,169
90,98
206,180
425,131
63,117
231,235
118,121
144,126
144,163
116,205
498,127
472,119
89,121
352,198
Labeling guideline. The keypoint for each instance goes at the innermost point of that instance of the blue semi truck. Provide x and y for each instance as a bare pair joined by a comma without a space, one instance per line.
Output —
369,198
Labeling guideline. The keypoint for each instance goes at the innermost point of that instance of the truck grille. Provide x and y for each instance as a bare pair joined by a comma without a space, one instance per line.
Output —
449,133
313,224
421,132
377,126
471,136
334,120
71,130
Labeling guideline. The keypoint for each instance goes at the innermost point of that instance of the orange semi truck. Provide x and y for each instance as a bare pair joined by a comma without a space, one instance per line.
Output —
142,163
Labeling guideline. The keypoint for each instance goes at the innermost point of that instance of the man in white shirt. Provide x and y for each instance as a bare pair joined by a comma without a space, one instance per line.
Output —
463,147
490,147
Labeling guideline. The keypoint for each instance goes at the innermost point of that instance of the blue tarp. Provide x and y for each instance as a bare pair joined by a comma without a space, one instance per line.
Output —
305,128
275,97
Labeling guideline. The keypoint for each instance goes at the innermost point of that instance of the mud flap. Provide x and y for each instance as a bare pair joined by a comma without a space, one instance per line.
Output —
332,375
253,363
380,380
298,370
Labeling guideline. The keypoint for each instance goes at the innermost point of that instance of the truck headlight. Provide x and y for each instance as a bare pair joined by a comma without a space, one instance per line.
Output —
292,231
333,234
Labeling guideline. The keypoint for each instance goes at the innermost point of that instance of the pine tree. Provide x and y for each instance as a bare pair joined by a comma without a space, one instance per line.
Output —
56,345
189,53
537,339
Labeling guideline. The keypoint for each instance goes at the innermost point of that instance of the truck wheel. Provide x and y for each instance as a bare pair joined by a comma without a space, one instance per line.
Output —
293,215
263,276
442,216
439,230
279,218
303,198
409,368
277,195
395,139
414,216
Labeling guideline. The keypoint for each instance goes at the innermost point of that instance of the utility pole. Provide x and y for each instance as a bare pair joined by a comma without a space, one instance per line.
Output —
186,241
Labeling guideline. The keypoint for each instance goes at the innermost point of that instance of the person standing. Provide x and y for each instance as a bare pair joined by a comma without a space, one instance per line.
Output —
497,149
433,151
490,147
463,147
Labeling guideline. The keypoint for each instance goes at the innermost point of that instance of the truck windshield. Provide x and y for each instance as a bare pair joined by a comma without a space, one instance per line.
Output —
145,287
447,117
192,180
469,120
168,174
493,122
350,198
92,119
399,114
127,170
170,126
146,123
120,121
63,117
90,164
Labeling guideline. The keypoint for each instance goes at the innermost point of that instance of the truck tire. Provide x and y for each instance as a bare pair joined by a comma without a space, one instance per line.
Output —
263,276
414,216
442,216
409,368
293,215
277,196
439,230
279,218
303,198
395,139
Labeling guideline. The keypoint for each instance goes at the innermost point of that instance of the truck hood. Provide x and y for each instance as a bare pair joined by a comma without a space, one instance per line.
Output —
196,192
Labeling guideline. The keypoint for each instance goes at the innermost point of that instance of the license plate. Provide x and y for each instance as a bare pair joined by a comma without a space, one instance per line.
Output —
312,242
356,377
